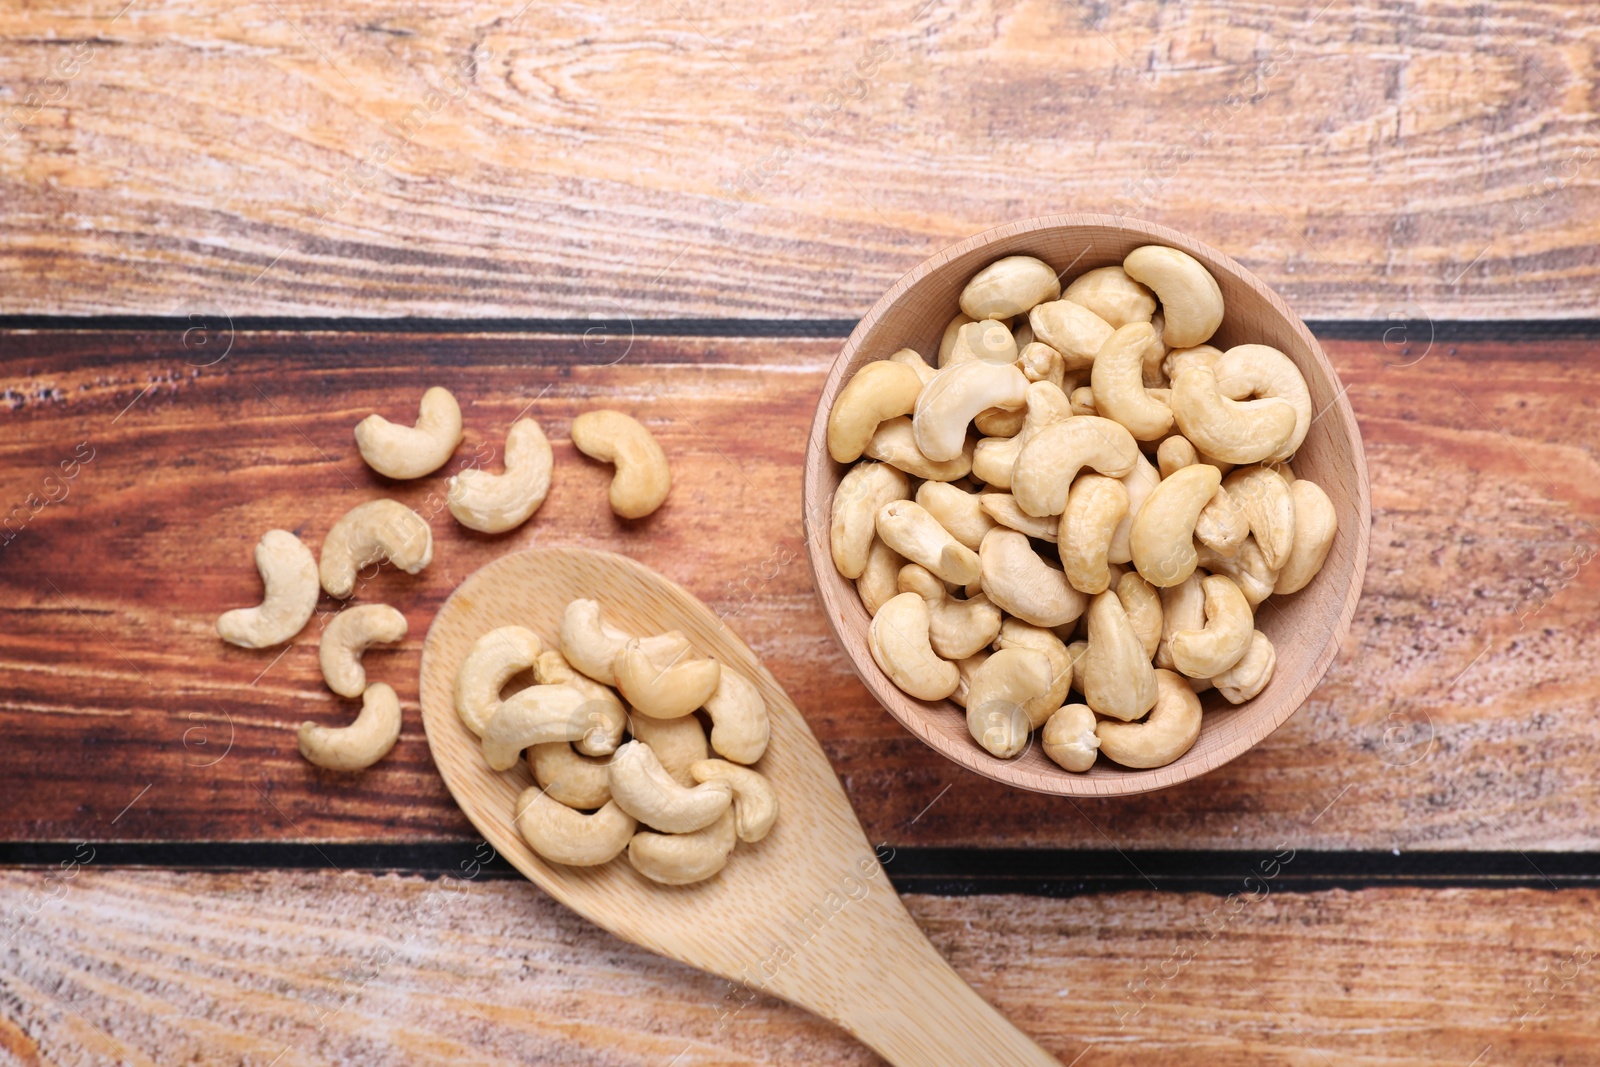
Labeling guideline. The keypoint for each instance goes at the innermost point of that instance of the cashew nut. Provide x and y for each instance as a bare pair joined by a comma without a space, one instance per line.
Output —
1020,581
956,628
755,802
1111,294
1041,363
906,527
367,533
899,643
362,743
1014,633
880,390
1263,371
864,489
985,341
947,340
1174,453
562,835
1212,649
1198,356
489,665
959,512
1002,507
739,726
1168,732
1117,381
1163,532
575,780
495,503
1072,330
1069,737
1082,400
949,403
1222,524
895,443
1051,459
880,578
994,458
589,642
350,633
1247,678
664,686
536,715
603,709
1190,297
1000,422
642,479
1008,287
1142,602
1095,506
1268,507
412,451
1315,523
289,572
913,359
1234,431
641,786
678,743
999,688
682,859
1247,567
1117,677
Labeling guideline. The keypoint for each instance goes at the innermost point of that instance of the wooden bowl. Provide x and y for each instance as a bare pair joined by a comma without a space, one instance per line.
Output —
1306,628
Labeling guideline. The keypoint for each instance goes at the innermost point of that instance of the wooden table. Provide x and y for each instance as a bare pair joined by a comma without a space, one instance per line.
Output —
233,229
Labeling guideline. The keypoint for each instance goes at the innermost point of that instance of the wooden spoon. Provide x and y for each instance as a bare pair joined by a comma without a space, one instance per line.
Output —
807,914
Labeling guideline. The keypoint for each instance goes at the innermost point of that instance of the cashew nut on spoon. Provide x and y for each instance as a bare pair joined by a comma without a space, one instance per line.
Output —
412,451
682,859
563,835
755,802
289,572
489,665
664,687
537,715
641,787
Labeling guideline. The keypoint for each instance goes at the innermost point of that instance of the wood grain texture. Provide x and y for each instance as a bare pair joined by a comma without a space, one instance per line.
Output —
157,968
476,157
1461,713
1306,630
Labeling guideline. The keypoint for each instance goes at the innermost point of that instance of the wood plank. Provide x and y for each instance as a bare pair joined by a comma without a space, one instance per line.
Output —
1462,714
316,968
477,157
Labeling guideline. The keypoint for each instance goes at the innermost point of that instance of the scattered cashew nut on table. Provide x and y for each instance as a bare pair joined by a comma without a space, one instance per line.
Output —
495,503
347,636
362,743
405,452
370,532
289,572
642,479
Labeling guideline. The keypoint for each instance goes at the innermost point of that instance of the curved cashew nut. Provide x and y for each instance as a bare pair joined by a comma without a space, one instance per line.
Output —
489,665
1000,687
1117,382
1008,287
1051,459
1315,523
1190,297
665,686
362,743
1246,567
1168,733
755,802
1069,737
589,642
1072,330
898,641
863,490
678,743
881,577
1263,371
1163,532
1096,505
1014,633
1000,422
412,451
495,503
1234,431
740,728
1142,602
367,533
1111,294
289,572
1117,679
1247,678
910,357
1020,581
536,715
880,390
956,628
1212,649
575,780
994,458
895,443
682,859
957,394
906,527
1222,524
958,511
607,718
1002,507
643,479
562,835
350,633
1268,508
641,786
1139,483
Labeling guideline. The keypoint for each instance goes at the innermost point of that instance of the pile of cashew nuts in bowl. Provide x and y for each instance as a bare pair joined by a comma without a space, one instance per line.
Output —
677,811
385,530
1093,424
